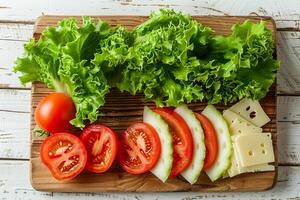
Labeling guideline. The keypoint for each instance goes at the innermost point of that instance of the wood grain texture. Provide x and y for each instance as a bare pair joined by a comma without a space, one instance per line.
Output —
119,114
222,25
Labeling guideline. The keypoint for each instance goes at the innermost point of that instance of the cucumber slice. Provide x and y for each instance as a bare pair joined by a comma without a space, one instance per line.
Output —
223,161
164,165
192,173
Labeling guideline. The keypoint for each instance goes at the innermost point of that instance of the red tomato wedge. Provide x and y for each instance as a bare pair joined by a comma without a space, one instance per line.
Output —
64,154
139,148
54,112
211,141
102,146
182,140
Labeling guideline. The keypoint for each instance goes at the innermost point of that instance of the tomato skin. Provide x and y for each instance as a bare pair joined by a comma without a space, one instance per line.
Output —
211,141
106,140
55,153
132,137
182,140
54,112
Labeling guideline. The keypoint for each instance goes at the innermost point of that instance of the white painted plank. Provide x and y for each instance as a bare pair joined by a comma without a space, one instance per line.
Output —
9,51
15,31
14,184
289,109
15,120
288,50
12,38
288,133
14,123
14,135
286,13
15,101
288,143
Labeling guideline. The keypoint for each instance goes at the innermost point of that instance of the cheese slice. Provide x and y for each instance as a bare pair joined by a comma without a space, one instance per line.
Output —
236,168
253,148
231,117
242,126
251,111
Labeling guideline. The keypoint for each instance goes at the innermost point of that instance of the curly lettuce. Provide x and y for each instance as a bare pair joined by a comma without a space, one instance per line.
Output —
244,62
170,58
161,56
61,58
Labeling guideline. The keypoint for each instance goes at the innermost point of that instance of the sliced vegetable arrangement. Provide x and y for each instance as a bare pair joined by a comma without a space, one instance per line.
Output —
169,143
170,58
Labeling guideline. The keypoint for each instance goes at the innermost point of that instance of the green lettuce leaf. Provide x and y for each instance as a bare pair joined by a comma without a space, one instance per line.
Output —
62,57
162,57
170,58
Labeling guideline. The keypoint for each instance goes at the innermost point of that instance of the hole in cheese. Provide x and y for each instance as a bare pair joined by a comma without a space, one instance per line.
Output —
252,114
263,151
262,144
248,108
250,153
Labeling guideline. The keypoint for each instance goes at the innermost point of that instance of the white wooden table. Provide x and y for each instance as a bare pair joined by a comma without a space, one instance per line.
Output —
16,25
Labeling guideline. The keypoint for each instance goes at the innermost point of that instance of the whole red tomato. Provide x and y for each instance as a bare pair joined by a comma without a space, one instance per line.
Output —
54,112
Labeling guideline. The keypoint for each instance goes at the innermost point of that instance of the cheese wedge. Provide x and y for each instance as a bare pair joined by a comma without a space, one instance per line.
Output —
231,117
240,126
253,148
251,111
236,168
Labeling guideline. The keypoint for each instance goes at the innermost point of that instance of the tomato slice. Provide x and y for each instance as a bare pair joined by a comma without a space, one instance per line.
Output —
64,154
139,148
211,141
101,143
182,140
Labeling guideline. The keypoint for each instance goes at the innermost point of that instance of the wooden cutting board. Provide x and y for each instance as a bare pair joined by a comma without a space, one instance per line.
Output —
123,109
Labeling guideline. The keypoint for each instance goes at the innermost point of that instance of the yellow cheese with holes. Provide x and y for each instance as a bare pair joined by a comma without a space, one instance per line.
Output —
251,111
253,148
236,168
242,126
